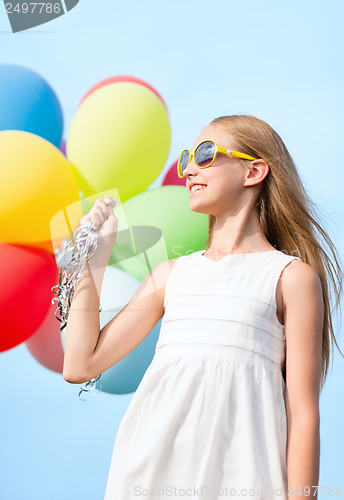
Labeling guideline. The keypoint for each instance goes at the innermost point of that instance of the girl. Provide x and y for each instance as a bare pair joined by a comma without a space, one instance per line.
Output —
229,406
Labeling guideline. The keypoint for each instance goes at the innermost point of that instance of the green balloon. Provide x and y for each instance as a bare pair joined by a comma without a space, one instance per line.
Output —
154,226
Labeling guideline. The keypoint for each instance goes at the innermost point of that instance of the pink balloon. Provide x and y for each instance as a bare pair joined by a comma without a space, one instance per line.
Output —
62,147
121,78
45,344
171,178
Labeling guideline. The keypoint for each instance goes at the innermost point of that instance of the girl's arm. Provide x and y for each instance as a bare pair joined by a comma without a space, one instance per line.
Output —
89,351
303,313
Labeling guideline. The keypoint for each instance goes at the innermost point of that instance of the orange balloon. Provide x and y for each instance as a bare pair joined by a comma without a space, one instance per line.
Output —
45,245
37,182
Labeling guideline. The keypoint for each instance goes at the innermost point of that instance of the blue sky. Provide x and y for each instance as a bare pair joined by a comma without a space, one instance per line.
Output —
280,61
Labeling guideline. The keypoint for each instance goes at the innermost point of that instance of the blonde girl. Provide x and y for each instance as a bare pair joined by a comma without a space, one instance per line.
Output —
229,406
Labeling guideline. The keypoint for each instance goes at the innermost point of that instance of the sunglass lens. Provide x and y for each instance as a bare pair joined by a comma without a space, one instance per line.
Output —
204,154
184,160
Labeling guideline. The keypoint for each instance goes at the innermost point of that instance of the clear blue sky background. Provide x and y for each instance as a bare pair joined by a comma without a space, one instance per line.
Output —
280,61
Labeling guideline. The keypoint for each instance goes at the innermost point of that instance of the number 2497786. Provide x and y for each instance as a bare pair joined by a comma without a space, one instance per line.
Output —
33,7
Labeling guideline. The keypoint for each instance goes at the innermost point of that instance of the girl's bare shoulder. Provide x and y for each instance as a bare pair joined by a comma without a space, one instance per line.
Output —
300,283
299,272
164,268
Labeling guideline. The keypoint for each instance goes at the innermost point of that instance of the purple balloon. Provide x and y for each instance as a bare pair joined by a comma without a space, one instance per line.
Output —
63,146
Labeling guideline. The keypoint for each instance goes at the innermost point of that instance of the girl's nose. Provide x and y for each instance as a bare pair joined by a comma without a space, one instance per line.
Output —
191,168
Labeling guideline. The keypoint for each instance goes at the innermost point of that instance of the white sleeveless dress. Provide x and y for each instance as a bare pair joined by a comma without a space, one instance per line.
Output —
208,419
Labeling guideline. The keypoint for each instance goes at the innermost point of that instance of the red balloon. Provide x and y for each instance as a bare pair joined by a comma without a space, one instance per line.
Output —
45,344
27,275
172,179
121,78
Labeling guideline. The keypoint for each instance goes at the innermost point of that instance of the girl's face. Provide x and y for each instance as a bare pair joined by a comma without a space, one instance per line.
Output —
224,179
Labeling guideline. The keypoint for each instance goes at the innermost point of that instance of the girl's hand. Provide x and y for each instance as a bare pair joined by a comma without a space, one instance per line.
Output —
102,215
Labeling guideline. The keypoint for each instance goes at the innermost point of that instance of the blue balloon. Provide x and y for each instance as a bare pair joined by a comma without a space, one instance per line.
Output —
28,103
125,376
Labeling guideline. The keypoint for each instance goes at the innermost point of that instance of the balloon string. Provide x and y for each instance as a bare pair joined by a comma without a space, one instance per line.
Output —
83,245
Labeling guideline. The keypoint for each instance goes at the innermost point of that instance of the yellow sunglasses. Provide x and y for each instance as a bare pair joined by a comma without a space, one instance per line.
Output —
204,156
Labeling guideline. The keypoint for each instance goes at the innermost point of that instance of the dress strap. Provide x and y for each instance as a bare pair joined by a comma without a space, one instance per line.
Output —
280,266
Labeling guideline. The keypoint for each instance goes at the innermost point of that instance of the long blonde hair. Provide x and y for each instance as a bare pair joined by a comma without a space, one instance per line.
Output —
287,214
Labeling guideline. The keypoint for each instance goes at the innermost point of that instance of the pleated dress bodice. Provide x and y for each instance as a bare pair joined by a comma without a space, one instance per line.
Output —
231,302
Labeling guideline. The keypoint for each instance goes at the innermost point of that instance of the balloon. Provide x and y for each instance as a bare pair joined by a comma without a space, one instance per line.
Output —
37,182
26,277
124,376
171,178
45,343
121,78
63,147
28,103
45,245
154,226
119,138
51,246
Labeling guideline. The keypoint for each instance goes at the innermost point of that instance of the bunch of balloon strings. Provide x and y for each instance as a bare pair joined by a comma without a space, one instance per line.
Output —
82,247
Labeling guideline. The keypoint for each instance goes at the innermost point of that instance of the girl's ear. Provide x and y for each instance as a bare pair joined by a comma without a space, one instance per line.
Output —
257,170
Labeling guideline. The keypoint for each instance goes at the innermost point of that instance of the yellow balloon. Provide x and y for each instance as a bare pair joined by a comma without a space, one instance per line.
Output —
36,182
119,138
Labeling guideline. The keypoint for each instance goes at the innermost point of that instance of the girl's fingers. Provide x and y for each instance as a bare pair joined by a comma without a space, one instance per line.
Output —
100,211
97,219
105,209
